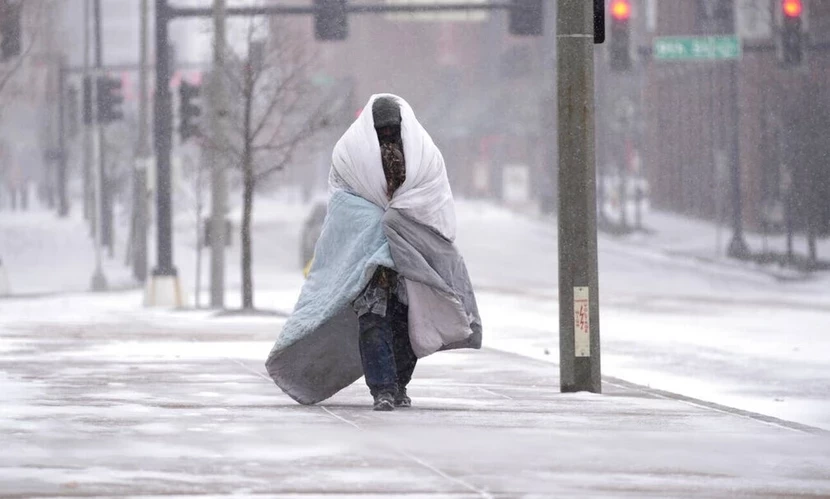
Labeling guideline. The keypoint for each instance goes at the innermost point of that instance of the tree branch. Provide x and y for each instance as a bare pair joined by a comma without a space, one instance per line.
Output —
18,63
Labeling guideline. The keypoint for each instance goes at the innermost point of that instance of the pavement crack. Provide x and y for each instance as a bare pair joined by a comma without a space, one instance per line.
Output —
481,493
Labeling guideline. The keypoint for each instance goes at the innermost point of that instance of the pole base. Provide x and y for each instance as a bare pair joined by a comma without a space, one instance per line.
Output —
738,248
99,281
164,291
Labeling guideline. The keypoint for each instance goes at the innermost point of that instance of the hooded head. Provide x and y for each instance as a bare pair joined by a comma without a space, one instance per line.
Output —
386,112
386,115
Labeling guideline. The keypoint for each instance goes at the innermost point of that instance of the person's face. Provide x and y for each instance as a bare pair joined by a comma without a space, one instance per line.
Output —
387,134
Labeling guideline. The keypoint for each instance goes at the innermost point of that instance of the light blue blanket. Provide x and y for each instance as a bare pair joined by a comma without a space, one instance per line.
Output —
305,359
351,245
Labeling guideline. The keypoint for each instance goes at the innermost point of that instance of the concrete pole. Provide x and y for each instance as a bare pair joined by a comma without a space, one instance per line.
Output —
163,122
106,210
143,154
579,348
218,180
737,246
49,183
63,200
99,281
87,130
163,288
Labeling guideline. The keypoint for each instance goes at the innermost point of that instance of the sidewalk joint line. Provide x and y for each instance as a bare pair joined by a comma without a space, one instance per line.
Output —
491,392
437,471
259,374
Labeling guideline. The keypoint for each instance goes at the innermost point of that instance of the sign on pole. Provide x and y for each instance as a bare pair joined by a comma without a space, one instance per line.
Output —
582,322
697,48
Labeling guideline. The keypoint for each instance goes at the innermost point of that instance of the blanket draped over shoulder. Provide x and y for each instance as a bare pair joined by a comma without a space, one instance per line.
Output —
317,353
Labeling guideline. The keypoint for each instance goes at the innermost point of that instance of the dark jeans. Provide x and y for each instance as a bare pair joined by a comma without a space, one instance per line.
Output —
388,359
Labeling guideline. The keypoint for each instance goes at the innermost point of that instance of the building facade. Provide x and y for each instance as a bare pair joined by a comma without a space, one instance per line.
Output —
694,112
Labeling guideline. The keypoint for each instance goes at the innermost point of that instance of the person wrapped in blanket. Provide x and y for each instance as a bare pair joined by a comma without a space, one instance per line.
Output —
388,286
385,348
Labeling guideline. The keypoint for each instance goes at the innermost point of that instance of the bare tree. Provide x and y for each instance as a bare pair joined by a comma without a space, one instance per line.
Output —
20,89
32,16
191,193
277,110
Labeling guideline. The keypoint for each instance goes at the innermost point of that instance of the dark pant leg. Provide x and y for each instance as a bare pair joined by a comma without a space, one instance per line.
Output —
377,353
405,358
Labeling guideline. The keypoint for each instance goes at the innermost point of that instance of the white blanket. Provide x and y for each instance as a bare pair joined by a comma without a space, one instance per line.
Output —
425,196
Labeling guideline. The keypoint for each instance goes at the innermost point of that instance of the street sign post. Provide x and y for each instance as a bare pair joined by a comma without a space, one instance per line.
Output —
713,49
697,48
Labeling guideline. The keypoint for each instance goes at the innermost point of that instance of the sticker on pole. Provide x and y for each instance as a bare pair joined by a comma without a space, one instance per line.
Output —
582,322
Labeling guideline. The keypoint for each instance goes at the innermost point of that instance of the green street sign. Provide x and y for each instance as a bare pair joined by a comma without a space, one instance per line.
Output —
697,48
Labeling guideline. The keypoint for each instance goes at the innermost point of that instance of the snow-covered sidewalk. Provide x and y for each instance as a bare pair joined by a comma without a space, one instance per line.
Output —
102,398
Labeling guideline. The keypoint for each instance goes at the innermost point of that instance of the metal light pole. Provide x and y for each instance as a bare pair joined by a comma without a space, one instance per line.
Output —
87,153
579,348
163,288
143,156
63,200
218,181
106,224
99,281
737,246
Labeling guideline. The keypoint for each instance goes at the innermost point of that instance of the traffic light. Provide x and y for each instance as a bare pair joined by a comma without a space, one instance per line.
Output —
10,28
526,17
791,39
599,21
330,22
72,111
109,99
189,111
87,101
619,47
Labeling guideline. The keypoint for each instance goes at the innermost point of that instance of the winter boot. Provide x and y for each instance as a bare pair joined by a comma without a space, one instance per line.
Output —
384,402
402,399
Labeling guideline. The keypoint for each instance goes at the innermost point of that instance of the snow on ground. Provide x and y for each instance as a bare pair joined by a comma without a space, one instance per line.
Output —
711,328
44,254
110,412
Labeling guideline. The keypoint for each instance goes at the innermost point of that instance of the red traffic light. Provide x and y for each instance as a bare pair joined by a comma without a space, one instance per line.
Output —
792,8
621,10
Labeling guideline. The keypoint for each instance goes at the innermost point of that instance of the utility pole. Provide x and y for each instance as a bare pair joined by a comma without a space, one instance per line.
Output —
63,200
99,281
737,246
144,155
579,348
218,110
106,224
164,288
48,185
87,156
